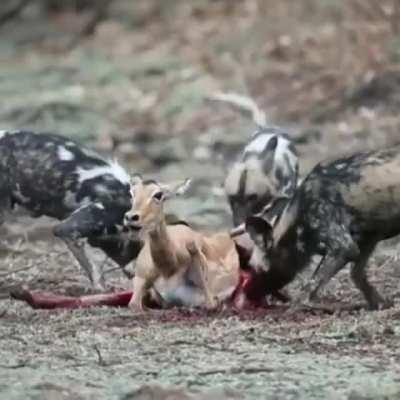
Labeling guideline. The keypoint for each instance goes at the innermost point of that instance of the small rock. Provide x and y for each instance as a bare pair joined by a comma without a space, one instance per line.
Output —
202,153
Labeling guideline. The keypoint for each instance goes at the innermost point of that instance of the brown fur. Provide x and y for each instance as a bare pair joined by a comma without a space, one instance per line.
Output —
176,257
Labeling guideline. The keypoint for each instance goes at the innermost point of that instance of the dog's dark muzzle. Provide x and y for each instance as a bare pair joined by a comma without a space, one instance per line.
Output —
86,221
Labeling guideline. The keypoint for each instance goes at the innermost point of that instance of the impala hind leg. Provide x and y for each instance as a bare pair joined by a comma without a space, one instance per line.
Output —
199,263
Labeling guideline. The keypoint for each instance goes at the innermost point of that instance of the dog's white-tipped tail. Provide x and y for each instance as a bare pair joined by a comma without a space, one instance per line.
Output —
244,104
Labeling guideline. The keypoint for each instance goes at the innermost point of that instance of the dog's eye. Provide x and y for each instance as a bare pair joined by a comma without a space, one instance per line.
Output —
252,197
158,196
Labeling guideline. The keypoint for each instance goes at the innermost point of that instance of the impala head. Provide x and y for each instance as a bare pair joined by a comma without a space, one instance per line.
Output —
148,197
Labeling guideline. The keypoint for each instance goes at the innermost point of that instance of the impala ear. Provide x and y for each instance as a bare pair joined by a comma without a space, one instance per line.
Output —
136,179
177,188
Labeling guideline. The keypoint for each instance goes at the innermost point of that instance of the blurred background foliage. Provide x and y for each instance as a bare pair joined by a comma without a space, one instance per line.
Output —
124,74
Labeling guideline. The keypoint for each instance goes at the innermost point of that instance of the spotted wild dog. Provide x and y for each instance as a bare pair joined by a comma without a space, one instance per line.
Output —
52,175
341,211
265,174
177,265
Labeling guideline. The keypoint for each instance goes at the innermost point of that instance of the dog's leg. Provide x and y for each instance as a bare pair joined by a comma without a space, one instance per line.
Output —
80,225
93,273
5,198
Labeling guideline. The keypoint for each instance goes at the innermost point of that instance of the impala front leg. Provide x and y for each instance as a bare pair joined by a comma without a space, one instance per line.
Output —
141,289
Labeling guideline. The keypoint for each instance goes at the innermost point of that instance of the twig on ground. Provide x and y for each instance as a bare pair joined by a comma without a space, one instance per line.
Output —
16,271
236,370
127,273
180,342
392,258
22,364
122,269
100,358
107,271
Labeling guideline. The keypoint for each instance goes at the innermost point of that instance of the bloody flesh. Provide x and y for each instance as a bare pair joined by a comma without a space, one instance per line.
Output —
45,300
241,297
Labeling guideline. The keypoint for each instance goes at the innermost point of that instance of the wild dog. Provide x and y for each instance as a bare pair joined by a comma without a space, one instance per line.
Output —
264,176
340,211
177,265
53,176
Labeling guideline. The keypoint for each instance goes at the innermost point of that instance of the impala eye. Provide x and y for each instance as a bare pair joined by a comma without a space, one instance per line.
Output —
158,196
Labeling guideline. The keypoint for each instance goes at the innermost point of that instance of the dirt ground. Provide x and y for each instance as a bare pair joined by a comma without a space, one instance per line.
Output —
328,71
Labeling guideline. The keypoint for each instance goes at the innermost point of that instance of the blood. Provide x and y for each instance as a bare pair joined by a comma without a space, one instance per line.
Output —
246,296
48,301
248,293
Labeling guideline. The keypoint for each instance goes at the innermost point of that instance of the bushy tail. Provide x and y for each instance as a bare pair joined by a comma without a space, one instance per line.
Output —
244,104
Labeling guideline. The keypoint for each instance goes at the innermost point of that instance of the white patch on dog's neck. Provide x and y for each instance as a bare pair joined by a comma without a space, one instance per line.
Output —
113,169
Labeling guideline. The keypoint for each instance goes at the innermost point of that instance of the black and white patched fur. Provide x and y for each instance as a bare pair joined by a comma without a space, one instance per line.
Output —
264,177
50,175
341,211
265,174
